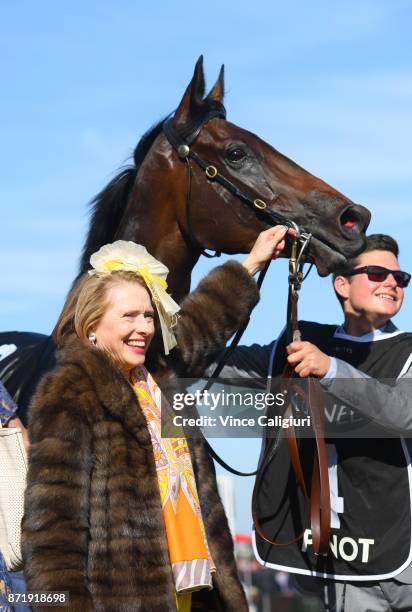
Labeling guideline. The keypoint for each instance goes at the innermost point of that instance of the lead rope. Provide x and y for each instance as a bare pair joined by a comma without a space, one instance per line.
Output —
296,263
318,500
228,352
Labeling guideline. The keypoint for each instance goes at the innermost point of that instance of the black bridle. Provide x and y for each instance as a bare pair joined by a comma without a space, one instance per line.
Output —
181,144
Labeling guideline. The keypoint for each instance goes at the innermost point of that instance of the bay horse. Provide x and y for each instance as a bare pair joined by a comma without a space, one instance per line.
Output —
173,203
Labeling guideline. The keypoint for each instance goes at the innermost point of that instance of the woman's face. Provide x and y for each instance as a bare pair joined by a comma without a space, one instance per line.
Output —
127,326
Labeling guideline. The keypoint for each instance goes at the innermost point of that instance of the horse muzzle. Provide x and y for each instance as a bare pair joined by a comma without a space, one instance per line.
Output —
338,238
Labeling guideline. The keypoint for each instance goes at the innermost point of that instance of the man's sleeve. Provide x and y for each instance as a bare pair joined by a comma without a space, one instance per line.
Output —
249,362
389,406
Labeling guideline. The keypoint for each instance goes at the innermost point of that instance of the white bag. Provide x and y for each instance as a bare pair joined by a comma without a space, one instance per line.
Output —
13,469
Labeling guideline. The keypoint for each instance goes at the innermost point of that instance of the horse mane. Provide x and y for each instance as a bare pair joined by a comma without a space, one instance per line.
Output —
108,206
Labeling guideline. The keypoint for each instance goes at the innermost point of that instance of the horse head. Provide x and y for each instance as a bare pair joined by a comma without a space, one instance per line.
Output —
174,204
257,169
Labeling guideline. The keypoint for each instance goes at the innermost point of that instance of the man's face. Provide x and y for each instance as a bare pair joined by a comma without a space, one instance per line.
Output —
367,300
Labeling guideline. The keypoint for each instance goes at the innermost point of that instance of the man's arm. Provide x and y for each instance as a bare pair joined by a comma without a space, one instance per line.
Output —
389,406
246,362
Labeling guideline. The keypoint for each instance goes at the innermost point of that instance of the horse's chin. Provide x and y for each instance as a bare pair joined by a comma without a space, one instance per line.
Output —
325,259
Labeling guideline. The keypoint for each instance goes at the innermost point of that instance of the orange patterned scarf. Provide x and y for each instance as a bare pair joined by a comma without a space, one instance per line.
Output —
186,538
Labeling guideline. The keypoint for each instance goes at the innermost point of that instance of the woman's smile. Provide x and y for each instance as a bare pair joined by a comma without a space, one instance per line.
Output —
127,326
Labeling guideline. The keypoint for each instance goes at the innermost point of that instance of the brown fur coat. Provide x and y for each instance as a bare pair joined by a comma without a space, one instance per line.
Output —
93,522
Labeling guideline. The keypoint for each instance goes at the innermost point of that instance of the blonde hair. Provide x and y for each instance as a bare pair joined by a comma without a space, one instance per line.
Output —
87,302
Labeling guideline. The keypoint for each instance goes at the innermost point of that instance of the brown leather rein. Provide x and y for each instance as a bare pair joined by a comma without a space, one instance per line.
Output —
317,498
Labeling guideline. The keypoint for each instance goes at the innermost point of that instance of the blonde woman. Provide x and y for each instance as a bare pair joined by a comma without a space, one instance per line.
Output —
115,515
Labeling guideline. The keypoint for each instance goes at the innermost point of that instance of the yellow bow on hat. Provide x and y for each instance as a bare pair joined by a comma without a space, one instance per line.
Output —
132,257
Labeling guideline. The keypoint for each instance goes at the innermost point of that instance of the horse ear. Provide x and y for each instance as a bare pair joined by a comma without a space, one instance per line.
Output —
193,95
218,90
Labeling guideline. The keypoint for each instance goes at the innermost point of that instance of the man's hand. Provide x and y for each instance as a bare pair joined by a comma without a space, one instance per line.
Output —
307,359
269,245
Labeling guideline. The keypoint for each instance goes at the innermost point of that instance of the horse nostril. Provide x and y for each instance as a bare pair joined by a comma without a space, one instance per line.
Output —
349,219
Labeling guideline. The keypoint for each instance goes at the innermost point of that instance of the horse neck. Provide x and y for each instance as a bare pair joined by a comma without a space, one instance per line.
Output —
151,220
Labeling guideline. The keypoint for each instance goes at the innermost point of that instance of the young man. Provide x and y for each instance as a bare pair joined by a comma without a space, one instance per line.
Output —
371,292
365,365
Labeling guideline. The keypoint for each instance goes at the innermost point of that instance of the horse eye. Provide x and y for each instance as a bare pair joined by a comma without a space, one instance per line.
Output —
236,155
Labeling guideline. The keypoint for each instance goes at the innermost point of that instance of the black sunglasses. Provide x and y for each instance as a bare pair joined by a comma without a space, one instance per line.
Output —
378,274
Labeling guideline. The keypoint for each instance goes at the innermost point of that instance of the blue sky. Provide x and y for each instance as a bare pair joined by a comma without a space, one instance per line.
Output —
328,83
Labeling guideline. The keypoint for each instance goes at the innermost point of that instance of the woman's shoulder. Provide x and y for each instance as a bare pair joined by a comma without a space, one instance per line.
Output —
85,362
81,377
84,382
75,364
